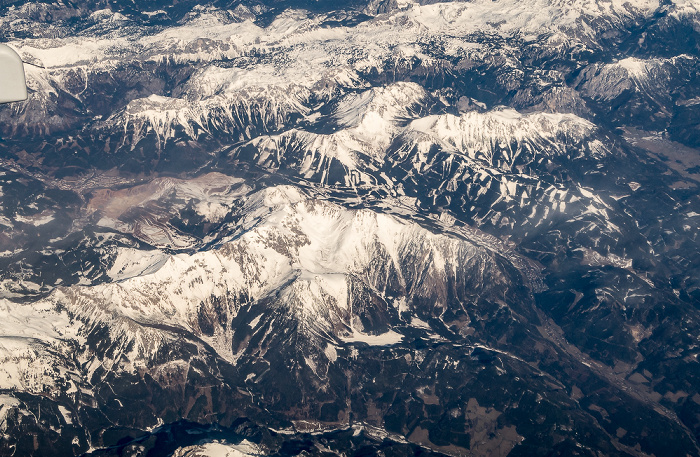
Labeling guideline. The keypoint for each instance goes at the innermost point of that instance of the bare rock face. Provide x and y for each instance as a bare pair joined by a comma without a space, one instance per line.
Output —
379,228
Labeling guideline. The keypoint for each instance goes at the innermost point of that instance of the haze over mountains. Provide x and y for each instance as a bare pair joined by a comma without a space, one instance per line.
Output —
386,228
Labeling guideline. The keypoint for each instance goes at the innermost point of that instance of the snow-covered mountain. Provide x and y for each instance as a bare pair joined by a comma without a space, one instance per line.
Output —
342,275
387,227
317,259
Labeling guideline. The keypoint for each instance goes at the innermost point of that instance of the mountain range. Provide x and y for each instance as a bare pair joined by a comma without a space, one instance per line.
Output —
385,227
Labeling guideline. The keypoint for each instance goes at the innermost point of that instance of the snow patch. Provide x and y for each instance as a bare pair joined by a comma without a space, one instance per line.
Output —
331,353
384,339
7,402
220,449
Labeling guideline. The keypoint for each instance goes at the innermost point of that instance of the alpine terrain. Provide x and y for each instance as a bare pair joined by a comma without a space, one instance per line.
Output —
372,227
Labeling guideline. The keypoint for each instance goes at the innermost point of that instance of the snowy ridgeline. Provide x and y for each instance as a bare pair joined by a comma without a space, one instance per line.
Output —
318,260
207,33
297,63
